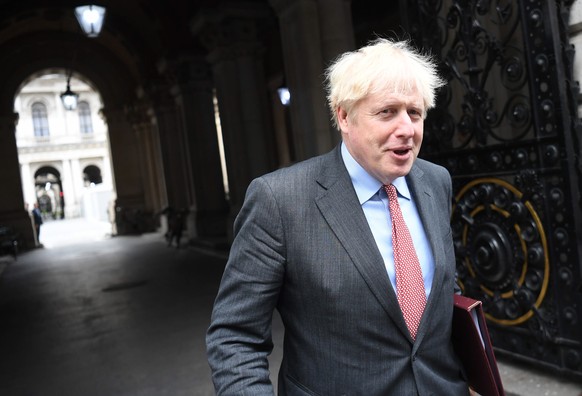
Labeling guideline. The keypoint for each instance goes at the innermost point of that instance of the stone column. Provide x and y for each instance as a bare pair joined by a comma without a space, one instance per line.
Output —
230,35
281,125
72,197
12,211
28,183
336,26
106,171
173,147
301,39
150,156
131,214
78,181
194,97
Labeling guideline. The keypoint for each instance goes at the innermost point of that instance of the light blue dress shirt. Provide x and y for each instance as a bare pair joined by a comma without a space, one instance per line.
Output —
374,202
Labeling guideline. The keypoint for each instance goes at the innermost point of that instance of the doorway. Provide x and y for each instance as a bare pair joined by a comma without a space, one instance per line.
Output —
64,159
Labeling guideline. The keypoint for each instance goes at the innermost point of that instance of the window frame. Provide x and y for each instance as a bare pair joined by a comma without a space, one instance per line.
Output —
40,123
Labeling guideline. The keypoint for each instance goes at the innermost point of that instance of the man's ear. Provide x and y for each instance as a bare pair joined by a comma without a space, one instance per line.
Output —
342,117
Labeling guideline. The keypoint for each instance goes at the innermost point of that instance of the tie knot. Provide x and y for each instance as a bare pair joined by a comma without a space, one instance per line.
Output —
391,191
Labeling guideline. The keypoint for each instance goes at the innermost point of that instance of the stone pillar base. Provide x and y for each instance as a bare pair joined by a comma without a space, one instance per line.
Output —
132,221
20,222
207,227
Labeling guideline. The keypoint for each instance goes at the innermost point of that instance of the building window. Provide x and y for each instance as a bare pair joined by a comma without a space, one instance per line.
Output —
85,118
40,120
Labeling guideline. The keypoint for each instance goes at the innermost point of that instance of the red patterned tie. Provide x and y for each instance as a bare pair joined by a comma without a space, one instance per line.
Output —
409,282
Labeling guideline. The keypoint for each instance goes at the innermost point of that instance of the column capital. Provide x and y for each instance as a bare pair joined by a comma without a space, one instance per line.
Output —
231,23
186,71
281,5
159,93
138,115
112,115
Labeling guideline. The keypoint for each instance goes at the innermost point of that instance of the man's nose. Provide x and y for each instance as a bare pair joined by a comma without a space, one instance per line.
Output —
405,124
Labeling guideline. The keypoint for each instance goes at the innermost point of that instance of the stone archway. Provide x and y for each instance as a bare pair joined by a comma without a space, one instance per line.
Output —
117,83
49,192
92,175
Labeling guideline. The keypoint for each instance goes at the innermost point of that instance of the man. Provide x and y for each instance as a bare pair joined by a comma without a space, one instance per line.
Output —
315,242
37,217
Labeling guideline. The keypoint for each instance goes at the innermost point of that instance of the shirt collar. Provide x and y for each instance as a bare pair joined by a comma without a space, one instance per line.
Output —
366,185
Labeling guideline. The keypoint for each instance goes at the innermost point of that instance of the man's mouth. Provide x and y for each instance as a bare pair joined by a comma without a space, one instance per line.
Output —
401,151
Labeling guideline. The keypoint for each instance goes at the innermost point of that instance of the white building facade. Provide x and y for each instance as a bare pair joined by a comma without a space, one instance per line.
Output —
64,154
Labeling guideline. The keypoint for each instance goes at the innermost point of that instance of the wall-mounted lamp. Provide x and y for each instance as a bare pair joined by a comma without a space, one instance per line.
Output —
91,19
69,98
284,96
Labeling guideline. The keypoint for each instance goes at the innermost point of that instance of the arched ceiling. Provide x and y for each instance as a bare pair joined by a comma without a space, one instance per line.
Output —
137,36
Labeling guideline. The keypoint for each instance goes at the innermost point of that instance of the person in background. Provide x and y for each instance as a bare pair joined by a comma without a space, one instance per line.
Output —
176,224
353,248
37,218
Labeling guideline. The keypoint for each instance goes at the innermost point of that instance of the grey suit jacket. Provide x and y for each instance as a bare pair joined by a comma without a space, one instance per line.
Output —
303,246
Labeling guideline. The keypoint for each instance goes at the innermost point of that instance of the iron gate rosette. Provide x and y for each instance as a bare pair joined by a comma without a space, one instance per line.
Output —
501,249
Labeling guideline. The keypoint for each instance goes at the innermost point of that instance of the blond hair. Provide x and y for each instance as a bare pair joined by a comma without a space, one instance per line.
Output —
382,65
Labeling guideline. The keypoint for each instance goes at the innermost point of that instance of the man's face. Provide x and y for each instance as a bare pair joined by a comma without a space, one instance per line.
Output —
385,133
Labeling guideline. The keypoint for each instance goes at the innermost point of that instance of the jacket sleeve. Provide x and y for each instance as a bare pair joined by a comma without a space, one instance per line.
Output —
239,337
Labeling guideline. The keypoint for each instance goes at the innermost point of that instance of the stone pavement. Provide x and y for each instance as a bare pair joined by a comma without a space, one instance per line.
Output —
520,379
93,315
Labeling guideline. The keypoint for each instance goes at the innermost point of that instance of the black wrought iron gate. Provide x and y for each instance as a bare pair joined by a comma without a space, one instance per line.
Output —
507,129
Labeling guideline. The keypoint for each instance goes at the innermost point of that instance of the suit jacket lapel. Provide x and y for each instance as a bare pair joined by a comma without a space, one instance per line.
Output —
339,206
424,199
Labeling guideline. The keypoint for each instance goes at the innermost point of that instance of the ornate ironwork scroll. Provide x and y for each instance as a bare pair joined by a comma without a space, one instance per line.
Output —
506,127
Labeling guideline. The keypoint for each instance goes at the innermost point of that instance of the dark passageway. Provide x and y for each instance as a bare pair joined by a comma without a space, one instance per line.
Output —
121,316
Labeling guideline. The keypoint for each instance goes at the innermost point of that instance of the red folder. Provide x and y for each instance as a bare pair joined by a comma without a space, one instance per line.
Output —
473,346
